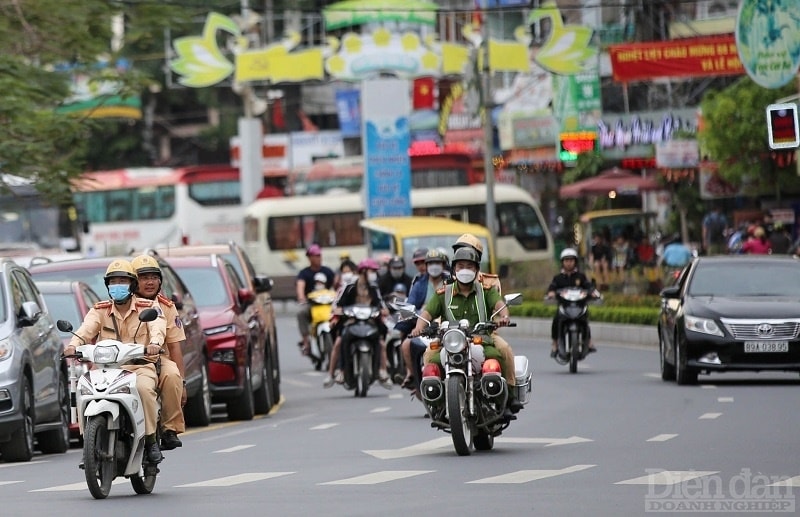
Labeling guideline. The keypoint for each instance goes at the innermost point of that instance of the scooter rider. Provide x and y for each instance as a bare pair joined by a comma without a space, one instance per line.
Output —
118,318
569,277
468,299
171,375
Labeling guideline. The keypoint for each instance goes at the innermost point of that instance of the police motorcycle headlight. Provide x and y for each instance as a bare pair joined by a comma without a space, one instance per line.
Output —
454,341
105,354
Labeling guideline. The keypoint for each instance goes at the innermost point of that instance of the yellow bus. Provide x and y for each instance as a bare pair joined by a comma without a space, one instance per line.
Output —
402,235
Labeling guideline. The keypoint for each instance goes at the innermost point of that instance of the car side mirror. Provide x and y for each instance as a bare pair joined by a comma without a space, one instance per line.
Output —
262,284
177,300
672,291
246,297
30,314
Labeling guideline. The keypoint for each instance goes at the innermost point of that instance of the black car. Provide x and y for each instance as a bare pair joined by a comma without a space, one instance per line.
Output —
731,313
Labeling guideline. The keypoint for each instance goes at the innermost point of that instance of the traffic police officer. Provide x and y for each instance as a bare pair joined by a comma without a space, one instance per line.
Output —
468,299
171,377
118,318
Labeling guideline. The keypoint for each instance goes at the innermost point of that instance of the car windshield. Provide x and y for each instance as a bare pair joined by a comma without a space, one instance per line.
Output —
62,306
745,279
206,285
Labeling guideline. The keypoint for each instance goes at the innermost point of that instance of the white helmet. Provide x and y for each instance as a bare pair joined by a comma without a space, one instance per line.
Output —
569,253
320,277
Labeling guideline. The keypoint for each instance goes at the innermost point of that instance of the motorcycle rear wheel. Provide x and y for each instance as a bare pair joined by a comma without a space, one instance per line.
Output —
574,352
98,457
460,428
144,485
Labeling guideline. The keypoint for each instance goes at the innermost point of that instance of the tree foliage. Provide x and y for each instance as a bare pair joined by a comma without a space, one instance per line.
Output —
735,135
39,39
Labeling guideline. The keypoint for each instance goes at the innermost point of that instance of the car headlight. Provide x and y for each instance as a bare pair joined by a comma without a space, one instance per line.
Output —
5,350
212,331
454,341
703,325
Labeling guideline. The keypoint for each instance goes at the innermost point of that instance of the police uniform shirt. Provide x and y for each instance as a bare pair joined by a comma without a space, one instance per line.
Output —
104,321
463,307
574,279
174,332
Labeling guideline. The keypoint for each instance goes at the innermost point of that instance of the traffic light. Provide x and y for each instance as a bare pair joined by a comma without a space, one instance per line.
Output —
782,126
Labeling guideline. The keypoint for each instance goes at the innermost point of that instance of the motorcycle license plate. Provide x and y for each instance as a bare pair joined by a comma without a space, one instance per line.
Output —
766,346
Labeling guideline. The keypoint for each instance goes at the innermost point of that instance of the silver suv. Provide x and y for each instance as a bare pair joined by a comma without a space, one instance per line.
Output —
34,396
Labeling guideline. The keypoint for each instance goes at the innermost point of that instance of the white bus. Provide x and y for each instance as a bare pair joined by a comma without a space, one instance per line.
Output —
139,208
278,231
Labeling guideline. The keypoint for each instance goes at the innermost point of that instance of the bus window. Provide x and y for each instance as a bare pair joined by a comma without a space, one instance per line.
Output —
216,193
518,220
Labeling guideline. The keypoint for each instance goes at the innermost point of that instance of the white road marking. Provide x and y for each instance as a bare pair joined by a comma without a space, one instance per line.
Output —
10,465
794,482
662,437
525,476
234,449
74,487
382,409
9,482
709,416
667,477
379,477
322,427
708,386
238,479
652,375
397,396
440,444
724,399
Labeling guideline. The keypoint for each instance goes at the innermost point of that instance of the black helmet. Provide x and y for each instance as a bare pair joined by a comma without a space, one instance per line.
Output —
466,253
397,261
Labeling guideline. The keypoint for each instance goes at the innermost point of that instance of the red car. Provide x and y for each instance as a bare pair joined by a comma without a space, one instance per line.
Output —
68,300
237,365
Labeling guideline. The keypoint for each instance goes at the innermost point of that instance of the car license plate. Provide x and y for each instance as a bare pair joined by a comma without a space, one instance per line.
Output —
766,346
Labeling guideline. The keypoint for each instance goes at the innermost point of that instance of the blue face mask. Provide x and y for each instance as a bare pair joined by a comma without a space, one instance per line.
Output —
119,292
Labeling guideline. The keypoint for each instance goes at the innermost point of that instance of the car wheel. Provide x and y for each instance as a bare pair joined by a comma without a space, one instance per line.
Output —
275,364
56,441
667,369
20,446
198,408
242,408
262,398
684,374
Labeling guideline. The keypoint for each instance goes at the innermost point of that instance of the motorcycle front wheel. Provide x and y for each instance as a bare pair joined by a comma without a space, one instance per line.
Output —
98,457
460,428
574,351
364,373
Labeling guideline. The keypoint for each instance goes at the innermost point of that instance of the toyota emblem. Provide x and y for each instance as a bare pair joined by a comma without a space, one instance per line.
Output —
765,329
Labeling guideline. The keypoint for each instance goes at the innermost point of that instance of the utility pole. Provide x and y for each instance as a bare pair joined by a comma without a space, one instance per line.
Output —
250,135
488,133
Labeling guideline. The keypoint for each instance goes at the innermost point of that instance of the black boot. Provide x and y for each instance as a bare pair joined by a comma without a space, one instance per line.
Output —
170,440
151,450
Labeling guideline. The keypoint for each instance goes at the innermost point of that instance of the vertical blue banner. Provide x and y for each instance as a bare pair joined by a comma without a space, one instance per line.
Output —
349,113
385,110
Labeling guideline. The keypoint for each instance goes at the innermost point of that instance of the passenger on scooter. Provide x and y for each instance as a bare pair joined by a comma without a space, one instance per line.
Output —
569,277
304,284
118,318
171,374
363,291
422,291
468,299
395,275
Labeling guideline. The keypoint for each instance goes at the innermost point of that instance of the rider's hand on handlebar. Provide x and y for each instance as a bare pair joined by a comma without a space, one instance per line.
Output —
153,349
68,350
504,320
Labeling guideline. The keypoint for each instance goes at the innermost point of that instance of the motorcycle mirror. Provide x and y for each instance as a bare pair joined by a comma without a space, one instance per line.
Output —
509,299
64,326
148,315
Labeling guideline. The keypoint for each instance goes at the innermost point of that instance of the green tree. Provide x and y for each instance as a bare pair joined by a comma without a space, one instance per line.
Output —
38,40
735,136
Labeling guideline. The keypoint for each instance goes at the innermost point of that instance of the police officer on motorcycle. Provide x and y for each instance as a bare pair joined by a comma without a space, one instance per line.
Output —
118,318
569,276
468,299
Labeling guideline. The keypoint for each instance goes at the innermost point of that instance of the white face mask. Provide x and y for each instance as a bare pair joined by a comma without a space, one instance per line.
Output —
466,276
348,277
372,277
435,270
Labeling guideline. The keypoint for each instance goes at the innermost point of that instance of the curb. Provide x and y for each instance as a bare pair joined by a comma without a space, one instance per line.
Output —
634,335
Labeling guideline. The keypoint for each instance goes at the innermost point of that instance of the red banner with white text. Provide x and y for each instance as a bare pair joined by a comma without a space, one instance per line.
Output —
695,57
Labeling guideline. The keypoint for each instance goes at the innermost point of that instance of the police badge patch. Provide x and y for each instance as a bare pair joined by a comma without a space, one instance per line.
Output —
178,322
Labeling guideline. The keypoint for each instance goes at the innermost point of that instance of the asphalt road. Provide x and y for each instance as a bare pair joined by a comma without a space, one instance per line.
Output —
612,440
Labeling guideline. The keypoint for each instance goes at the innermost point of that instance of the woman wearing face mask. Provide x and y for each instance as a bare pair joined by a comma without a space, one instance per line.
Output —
363,291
